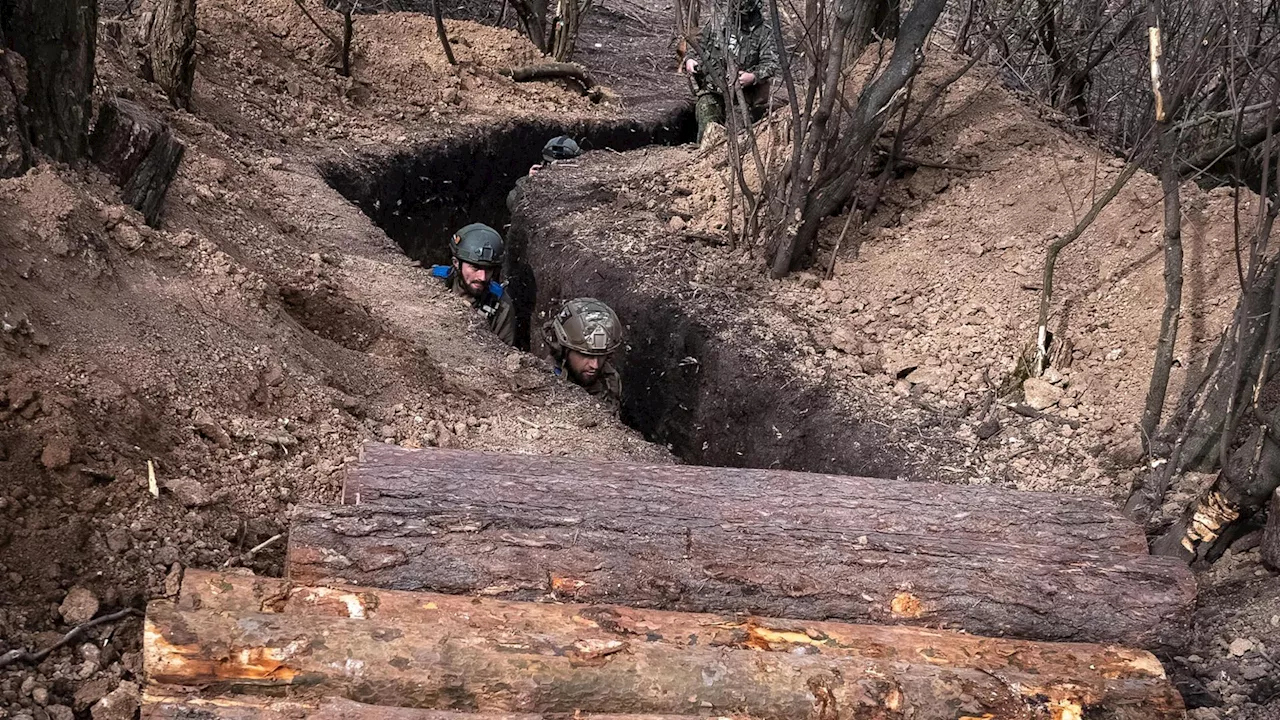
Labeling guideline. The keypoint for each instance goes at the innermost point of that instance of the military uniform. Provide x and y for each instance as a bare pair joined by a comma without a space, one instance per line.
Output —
607,387
496,306
588,327
561,147
750,40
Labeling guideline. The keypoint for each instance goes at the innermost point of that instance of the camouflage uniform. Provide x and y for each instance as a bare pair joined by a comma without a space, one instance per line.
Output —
496,306
590,327
750,39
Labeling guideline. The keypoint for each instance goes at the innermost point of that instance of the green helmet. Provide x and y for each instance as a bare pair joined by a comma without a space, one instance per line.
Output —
479,245
560,148
585,325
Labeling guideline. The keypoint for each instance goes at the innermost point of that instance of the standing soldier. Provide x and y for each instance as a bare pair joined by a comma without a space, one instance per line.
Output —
750,39
477,260
583,337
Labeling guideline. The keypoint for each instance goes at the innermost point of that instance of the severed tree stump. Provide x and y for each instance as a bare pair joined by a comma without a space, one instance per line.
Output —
1271,536
670,561
140,152
447,652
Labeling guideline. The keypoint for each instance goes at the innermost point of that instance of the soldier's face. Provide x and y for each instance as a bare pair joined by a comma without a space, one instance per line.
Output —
585,368
474,278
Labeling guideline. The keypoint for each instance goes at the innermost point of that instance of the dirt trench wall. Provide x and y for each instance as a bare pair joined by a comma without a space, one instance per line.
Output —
731,407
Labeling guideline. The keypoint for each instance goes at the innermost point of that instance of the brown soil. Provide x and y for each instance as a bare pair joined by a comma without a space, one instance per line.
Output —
247,349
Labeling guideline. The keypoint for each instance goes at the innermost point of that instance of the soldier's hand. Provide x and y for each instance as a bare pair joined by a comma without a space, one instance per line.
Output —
746,78
690,64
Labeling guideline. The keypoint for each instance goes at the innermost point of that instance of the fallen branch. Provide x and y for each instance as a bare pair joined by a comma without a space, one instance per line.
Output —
1027,411
557,71
246,557
17,656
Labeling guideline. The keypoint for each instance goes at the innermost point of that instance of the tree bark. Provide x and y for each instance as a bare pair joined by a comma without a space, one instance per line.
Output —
1271,536
140,152
248,707
15,147
172,51
57,38
521,552
627,494
445,652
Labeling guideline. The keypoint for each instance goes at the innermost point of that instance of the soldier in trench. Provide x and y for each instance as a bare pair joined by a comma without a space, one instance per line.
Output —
749,39
557,149
477,261
582,337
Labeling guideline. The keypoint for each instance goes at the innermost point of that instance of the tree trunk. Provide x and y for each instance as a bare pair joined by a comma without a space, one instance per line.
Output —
15,147
628,494
446,652
523,552
1158,387
248,707
173,46
1271,536
139,151
57,38
1241,490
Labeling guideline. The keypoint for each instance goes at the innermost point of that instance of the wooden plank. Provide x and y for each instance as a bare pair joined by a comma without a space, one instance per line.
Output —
1032,592
492,656
622,492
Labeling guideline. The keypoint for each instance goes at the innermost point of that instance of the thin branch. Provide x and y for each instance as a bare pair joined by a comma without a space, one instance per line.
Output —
17,656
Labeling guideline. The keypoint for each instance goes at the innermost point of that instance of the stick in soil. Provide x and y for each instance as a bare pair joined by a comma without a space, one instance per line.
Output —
17,656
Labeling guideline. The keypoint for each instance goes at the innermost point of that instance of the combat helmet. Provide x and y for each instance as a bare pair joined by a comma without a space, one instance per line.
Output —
561,147
479,245
585,325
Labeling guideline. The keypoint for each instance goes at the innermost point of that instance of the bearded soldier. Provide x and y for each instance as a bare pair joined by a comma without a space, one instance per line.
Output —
477,262
582,338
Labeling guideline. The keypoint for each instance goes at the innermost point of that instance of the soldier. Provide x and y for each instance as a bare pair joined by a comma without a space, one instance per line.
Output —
582,337
477,260
750,39
561,147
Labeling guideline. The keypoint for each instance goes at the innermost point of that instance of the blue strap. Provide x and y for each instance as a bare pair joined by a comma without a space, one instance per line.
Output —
441,271
496,290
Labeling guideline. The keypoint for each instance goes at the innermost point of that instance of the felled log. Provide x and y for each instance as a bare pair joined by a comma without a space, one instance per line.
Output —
139,151
1271,536
558,71
623,493
849,574
1105,668
447,653
247,707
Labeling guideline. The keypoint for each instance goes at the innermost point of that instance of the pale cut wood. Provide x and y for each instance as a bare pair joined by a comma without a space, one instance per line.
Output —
622,492
850,574
539,658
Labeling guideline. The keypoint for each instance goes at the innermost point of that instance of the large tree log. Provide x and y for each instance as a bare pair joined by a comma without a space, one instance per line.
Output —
622,493
57,38
1031,663
1271,536
140,152
246,707
849,574
448,653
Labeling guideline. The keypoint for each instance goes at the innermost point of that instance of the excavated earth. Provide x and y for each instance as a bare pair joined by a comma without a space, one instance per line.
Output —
279,318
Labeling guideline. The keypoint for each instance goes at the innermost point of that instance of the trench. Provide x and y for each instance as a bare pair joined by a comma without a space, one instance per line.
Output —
709,401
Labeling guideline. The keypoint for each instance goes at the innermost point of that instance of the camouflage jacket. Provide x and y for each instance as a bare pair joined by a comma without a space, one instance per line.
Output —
496,306
752,45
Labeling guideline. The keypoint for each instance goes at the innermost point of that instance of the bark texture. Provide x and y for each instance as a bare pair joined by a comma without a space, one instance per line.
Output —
247,707
521,552
618,494
57,39
15,149
500,657
1031,663
1271,536
140,152
172,49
